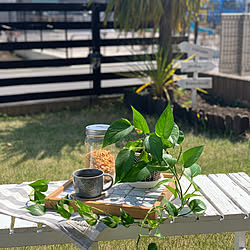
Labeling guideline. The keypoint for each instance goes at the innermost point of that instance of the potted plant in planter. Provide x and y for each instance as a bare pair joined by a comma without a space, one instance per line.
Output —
142,159
153,96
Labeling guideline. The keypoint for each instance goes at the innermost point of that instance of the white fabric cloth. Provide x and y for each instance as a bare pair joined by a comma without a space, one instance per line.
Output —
15,200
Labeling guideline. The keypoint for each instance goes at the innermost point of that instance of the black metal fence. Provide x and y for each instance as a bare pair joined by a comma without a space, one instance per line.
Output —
94,59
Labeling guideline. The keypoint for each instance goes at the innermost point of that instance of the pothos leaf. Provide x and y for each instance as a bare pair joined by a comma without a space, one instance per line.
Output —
192,171
190,156
172,190
197,206
140,123
165,124
170,208
40,185
158,233
124,163
167,180
169,159
117,131
173,138
153,223
83,209
39,197
152,246
187,196
126,219
91,221
153,144
37,209
64,210
135,145
181,137
109,221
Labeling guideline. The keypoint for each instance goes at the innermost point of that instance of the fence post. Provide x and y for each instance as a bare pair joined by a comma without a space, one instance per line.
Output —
95,57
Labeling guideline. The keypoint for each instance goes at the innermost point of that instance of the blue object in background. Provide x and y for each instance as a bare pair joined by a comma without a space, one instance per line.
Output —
217,7
200,29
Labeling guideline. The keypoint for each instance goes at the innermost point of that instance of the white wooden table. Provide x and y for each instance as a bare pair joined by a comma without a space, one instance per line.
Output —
227,198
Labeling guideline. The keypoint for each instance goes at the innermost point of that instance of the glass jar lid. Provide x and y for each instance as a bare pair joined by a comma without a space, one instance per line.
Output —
96,129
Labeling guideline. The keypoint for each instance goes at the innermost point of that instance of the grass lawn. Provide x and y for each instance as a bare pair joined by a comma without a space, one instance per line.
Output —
50,145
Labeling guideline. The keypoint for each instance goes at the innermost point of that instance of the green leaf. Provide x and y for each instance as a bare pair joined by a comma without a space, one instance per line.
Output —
126,219
39,197
170,208
169,159
187,196
37,209
153,223
158,234
40,185
91,221
109,221
135,145
117,131
165,124
83,209
140,123
68,208
144,156
174,135
116,219
192,171
167,144
64,209
172,190
154,146
152,246
163,182
197,206
157,168
139,172
190,156
181,137
124,163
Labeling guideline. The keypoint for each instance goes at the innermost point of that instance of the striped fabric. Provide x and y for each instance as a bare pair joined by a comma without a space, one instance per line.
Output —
14,200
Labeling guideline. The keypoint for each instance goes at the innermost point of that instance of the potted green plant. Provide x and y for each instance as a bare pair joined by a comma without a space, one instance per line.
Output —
142,157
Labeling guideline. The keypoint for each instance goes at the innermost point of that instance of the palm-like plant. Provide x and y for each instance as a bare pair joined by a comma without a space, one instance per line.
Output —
167,15
157,72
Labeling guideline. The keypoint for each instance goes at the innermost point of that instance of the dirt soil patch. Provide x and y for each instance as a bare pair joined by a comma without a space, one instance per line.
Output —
203,103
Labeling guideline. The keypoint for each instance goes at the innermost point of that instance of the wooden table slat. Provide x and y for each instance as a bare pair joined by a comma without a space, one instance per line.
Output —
217,197
211,211
242,179
233,191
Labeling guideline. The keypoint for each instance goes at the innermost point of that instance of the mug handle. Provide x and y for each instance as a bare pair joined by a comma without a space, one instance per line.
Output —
112,181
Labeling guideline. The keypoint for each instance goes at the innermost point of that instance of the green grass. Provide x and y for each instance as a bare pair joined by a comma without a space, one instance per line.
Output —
50,145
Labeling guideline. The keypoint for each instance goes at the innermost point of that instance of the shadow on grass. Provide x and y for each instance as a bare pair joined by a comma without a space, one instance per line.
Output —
51,134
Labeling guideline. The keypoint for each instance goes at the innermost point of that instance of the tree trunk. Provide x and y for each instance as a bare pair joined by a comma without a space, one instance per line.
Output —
165,42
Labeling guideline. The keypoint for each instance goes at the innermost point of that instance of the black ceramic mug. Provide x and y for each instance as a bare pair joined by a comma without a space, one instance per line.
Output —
89,182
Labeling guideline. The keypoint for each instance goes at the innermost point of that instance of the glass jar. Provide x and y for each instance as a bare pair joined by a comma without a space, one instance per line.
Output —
96,156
